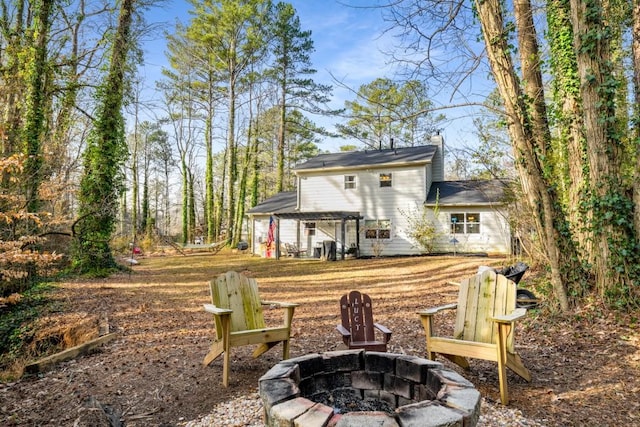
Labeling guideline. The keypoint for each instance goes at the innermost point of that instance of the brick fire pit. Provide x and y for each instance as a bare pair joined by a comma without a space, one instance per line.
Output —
419,392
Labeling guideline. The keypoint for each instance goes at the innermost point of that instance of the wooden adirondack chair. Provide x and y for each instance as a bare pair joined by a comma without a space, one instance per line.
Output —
237,311
357,328
484,328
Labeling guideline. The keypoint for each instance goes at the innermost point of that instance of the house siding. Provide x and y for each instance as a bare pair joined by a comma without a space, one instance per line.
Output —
494,236
326,192
417,179
288,233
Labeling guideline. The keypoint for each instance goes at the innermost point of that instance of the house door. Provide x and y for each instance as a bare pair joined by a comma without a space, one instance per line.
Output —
310,234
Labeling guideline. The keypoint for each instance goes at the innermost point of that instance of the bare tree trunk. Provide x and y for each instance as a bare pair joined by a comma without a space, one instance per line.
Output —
282,131
540,196
231,160
208,182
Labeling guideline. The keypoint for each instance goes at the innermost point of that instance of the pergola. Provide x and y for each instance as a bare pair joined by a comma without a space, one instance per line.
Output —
342,216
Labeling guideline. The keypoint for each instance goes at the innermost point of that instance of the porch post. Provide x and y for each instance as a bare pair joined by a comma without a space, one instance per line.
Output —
343,237
277,238
358,236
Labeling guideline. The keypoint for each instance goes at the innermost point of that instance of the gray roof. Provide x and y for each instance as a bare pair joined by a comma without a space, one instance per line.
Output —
283,205
357,159
284,201
450,193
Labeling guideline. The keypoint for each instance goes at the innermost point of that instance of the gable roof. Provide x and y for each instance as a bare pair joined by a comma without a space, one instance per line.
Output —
472,192
360,159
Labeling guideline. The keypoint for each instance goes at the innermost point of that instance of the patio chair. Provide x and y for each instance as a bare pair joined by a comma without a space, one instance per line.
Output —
292,250
237,311
484,327
357,328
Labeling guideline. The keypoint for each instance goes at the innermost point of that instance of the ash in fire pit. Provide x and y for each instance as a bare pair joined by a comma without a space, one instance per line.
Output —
343,401
356,388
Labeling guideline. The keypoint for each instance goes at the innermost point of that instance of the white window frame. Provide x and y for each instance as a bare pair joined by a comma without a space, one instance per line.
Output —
386,180
465,222
350,182
377,229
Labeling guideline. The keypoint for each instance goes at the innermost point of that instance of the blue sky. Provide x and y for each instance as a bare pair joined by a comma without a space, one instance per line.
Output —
349,42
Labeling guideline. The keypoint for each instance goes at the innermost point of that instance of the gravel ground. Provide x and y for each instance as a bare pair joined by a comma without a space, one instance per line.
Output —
246,411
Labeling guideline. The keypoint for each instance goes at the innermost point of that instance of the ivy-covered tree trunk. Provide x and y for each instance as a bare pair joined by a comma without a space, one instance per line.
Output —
103,159
242,185
35,126
636,112
569,147
255,170
192,209
616,259
14,52
219,199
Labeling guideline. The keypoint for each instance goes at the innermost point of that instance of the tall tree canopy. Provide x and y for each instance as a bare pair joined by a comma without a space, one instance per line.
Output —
386,111
292,71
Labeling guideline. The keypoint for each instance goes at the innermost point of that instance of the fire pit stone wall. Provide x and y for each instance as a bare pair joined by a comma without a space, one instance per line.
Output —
420,392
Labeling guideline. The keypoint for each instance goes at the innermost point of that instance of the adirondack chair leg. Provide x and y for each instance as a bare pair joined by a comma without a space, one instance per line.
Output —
226,332
515,364
503,331
458,360
263,348
285,349
428,329
215,351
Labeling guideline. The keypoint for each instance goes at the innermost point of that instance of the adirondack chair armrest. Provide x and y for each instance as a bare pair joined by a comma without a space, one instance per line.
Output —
382,328
287,307
511,317
434,310
210,308
279,304
343,331
385,331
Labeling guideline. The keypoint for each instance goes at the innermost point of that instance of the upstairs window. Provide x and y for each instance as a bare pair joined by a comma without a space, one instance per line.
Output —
377,229
465,223
385,180
349,181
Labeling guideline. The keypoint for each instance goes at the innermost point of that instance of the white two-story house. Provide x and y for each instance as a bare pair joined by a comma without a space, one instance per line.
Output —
362,202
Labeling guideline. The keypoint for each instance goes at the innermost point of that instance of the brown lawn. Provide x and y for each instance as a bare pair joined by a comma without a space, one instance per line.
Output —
585,366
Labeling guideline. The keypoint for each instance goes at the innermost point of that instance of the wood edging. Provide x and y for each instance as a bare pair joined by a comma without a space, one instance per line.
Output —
70,353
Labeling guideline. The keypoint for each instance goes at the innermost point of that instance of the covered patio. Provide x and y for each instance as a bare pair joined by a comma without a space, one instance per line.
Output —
331,216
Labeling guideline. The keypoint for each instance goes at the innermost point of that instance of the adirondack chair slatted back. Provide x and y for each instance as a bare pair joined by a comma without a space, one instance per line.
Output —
357,316
480,298
240,294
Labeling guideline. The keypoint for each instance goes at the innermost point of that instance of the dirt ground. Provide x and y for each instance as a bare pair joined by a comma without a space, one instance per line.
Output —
585,366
